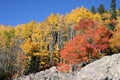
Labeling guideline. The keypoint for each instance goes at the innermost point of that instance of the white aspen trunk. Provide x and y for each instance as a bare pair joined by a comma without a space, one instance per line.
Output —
50,50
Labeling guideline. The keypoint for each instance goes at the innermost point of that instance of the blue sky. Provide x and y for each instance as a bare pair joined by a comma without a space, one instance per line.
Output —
14,12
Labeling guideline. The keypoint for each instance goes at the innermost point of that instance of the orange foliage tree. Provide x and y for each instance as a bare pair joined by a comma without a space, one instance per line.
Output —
90,40
115,40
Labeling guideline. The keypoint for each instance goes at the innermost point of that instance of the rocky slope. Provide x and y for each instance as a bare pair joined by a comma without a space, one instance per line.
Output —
107,68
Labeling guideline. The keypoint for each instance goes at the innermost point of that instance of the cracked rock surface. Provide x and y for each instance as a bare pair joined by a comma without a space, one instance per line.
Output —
107,68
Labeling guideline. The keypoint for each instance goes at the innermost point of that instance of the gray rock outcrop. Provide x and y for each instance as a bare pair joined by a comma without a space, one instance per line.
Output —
49,74
107,68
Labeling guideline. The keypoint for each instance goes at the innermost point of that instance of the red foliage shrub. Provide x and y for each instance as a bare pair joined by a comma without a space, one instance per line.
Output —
63,67
85,46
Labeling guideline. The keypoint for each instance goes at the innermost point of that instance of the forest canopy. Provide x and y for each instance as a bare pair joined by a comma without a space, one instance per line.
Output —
65,41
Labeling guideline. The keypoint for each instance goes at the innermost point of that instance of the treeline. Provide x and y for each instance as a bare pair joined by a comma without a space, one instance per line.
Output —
78,37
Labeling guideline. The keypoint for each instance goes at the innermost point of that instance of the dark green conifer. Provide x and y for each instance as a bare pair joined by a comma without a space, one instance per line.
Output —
113,10
93,10
101,9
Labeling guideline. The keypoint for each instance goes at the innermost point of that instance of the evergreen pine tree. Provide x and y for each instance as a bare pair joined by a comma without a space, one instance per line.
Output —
101,9
33,65
113,9
113,14
93,10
